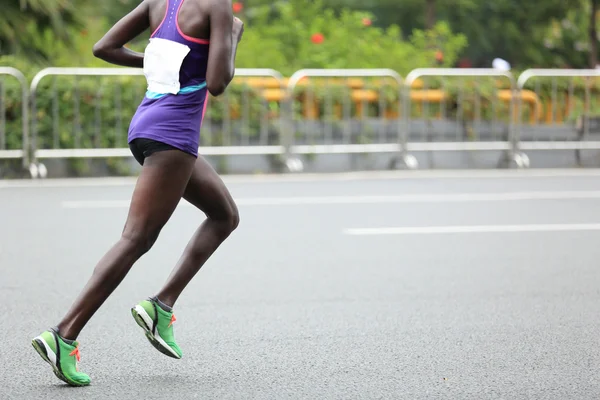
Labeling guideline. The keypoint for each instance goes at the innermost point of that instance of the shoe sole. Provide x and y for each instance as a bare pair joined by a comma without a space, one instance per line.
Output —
42,352
148,332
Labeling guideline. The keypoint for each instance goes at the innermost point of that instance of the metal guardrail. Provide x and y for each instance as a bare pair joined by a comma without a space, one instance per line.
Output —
100,145
23,152
566,119
428,140
249,122
51,148
247,128
322,134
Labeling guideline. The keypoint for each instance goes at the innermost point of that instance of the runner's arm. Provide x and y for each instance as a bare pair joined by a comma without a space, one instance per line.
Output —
223,47
111,47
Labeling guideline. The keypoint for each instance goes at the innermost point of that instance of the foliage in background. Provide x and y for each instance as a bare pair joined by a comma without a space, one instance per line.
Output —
511,29
515,30
299,34
567,39
27,24
523,32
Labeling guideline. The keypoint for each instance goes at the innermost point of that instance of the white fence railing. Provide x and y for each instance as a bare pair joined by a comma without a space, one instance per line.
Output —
85,113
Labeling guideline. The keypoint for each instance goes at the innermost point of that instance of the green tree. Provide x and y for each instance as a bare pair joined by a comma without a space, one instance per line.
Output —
571,39
593,33
512,29
26,21
280,36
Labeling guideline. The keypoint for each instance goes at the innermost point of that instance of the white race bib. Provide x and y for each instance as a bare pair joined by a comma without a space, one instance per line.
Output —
162,63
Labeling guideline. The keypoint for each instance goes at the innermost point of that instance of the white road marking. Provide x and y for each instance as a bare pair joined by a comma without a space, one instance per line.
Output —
322,177
97,204
381,199
433,230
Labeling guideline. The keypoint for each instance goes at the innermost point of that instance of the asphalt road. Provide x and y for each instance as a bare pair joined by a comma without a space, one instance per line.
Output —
376,287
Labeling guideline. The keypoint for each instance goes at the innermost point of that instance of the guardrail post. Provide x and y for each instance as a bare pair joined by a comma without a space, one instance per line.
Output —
295,164
510,145
577,143
24,153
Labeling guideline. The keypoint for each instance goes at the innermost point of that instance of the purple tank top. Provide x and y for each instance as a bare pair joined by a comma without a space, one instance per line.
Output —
193,69
176,119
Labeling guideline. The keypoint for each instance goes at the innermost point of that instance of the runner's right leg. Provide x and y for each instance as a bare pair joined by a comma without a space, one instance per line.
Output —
208,193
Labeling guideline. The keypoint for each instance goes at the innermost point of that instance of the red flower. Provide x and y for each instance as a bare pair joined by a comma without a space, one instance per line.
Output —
237,7
317,38
366,21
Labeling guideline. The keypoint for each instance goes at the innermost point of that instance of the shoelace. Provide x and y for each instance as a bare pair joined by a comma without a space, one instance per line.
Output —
76,354
77,357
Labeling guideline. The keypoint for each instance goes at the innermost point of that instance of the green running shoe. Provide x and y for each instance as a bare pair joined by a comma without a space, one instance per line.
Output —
64,358
158,325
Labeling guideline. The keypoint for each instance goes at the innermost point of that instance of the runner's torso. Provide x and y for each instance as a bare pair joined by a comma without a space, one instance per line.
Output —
174,60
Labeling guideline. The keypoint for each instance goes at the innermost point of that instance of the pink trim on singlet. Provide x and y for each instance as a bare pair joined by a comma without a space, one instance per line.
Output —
186,37
163,20
205,104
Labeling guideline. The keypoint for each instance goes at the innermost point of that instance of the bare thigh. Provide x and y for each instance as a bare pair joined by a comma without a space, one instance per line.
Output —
207,191
159,189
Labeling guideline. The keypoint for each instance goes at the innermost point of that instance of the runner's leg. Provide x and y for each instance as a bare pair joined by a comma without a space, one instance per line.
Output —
207,192
161,184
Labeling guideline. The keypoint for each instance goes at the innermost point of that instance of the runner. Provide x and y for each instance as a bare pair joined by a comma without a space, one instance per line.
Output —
164,138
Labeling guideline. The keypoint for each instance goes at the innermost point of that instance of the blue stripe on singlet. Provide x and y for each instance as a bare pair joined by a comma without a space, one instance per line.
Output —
185,90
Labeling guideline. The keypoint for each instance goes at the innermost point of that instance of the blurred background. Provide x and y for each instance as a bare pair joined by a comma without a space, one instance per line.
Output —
378,117
471,275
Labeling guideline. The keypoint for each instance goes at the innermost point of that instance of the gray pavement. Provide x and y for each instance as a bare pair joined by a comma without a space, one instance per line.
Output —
292,307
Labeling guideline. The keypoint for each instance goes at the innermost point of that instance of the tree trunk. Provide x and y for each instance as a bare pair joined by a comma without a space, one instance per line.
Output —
430,14
593,35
